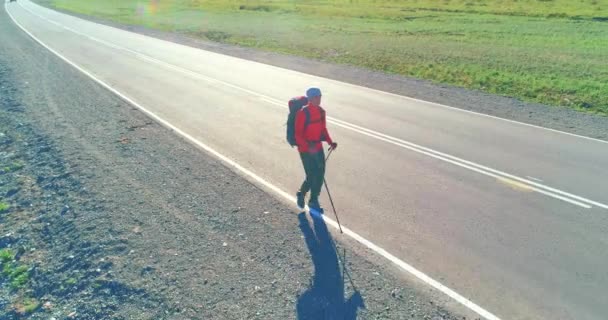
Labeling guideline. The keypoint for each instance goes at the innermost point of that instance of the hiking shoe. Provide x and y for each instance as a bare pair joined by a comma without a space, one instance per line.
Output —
315,207
300,201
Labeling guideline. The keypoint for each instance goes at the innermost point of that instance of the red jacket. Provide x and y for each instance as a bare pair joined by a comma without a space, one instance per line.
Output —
309,137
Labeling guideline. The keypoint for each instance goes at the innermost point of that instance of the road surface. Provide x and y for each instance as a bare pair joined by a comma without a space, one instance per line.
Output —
510,216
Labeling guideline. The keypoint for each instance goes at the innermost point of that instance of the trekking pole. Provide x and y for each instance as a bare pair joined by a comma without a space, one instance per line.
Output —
329,154
332,205
329,195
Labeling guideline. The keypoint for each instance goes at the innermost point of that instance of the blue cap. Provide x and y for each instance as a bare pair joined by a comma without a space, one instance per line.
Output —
313,92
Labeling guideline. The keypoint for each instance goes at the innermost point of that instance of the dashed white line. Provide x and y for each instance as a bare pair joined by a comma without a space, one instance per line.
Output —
535,179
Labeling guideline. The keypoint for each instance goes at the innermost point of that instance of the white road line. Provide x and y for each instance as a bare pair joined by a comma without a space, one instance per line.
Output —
463,165
400,263
548,191
488,170
535,179
362,87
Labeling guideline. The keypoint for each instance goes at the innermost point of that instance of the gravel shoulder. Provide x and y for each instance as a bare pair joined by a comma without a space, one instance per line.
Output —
115,217
552,117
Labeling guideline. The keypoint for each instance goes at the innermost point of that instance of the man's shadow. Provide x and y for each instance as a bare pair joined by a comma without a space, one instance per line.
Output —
324,299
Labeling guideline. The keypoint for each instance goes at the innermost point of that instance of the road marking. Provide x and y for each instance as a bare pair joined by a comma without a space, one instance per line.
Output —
516,184
472,168
552,192
535,179
540,188
370,245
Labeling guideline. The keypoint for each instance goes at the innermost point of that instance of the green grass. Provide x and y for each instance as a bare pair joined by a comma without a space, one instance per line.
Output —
25,306
6,255
98,284
548,51
19,277
30,305
15,273
4,206
13,167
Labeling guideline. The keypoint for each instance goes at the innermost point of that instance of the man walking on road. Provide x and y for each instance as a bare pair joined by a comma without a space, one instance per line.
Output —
310,132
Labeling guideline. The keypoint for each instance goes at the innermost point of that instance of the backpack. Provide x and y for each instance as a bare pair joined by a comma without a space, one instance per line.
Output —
295,104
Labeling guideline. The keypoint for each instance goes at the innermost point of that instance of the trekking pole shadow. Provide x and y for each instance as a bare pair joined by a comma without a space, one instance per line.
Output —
325,298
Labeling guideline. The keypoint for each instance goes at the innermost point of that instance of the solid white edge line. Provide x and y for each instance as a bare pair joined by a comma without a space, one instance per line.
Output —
374,134
350,84
415,272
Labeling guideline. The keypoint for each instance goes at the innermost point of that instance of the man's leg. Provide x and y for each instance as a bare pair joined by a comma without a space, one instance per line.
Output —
308,170
317,176
306,185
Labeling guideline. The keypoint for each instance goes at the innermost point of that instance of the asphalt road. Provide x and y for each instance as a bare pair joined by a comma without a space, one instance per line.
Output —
510,216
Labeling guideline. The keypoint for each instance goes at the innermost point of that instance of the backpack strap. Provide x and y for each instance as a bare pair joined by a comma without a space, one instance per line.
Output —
307,121
307,114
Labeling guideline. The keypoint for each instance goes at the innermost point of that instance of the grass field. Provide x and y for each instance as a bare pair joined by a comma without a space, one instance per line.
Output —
548,51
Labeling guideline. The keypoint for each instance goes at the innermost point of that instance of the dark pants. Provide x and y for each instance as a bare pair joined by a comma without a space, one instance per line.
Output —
314,166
